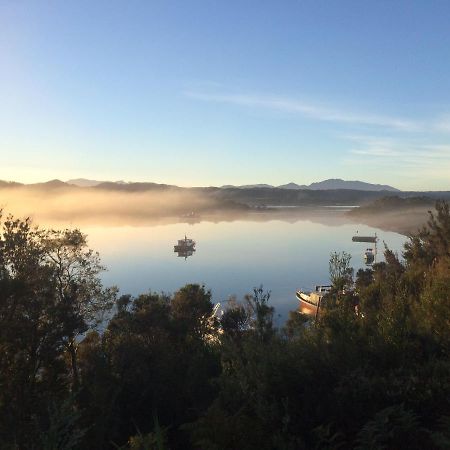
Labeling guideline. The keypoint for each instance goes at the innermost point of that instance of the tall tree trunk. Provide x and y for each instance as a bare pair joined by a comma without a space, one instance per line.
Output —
72,348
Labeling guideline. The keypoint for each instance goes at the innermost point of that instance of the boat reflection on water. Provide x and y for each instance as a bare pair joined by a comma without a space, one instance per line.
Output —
185,247
190,218
185,254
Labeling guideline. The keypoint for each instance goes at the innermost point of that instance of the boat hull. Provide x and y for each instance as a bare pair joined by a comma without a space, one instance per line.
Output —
306,304
183,248
307,308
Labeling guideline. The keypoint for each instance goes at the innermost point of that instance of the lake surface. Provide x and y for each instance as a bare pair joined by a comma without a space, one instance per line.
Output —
283,253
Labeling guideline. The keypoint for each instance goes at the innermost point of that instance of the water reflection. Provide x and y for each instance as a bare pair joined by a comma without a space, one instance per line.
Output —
184,247
184,253
282,253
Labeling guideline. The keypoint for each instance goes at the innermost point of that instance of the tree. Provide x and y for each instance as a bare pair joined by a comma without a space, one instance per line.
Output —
364,277
155,356
76,270
31,363
433,240
261,312
235,320
192,309
341,274
50,294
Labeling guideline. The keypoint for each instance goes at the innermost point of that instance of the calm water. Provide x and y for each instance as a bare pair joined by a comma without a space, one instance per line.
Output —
282,253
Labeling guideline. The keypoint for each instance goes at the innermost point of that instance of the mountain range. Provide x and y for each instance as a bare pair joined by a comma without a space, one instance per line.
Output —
330,184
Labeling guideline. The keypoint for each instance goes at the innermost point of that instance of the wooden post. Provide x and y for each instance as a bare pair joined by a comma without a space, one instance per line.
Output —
317,310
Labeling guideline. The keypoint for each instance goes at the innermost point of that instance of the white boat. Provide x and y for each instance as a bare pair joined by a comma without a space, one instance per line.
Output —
310,302
369,256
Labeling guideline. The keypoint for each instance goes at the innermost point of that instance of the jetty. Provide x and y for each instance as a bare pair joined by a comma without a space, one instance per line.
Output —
357,238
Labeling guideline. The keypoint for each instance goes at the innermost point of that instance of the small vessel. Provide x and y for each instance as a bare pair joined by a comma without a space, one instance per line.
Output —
310,302
369,256
185,247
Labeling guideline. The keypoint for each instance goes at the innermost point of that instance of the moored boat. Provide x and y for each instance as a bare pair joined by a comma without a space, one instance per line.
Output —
369,256
310,302
184,245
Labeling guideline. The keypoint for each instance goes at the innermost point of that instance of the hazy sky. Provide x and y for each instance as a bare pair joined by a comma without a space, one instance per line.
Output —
217,92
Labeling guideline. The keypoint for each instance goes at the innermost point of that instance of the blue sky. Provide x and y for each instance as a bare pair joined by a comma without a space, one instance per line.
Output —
220,92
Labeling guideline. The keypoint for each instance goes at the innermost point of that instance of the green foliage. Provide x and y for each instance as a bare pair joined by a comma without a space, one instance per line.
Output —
235,320
63,432
261,314
433,240
296,323
393,427
155,440
49,294
191,308
326,439
156,354
341,274
441,437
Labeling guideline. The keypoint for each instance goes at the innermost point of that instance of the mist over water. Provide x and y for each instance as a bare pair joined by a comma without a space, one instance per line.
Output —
79,206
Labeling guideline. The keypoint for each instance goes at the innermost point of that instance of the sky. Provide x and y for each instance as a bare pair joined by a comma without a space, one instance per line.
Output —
211,92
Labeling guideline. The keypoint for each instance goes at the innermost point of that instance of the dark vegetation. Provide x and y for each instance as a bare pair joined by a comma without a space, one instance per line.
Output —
373,372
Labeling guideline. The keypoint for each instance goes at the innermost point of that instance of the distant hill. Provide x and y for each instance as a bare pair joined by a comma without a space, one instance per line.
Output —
293,186
49,184
84,182
133,187
6,184
247,186
336,183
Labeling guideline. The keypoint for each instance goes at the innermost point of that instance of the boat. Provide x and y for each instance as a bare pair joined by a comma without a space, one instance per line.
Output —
369,256
185,247
185,253
310,302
